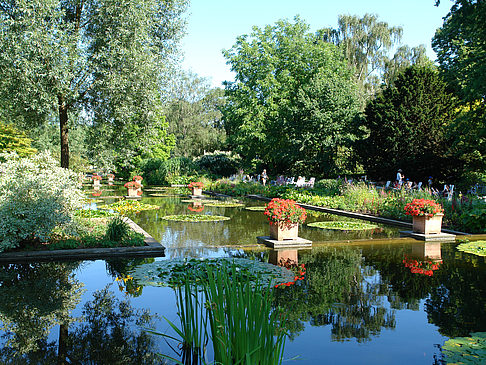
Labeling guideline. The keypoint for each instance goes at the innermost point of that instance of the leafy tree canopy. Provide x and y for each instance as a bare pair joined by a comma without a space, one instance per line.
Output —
14,140
293,100
104,58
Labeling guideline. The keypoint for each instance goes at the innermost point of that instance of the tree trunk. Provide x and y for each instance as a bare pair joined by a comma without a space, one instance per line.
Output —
62,347
63,125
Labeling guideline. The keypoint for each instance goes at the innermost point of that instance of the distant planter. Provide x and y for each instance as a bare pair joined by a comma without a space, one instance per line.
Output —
196,188
111,177
134,188
96,180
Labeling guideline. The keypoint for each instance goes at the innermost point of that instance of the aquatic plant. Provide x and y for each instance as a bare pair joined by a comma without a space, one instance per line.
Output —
475,248
343,225
195,218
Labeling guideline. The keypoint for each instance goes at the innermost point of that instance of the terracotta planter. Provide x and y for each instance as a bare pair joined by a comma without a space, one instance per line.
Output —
196,191
97,183
427,225
281,232
133,192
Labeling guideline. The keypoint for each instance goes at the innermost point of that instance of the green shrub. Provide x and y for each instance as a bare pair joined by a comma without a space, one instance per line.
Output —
163,172
117,230
219,163
36,195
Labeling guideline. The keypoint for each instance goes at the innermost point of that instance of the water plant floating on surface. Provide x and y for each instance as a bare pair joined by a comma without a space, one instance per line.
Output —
162,195
256,209
203,201
90,213
223,204
128,206
475,248
343,225
174,272
466,350
195,218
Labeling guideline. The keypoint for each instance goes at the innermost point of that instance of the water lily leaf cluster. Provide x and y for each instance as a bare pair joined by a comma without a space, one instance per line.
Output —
195,218
343,225
174,272
476,248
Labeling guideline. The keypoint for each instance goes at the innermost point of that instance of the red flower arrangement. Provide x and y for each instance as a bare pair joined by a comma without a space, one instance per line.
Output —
196,184
137,178
133,185
285,211
426,267
111,176
299,272
96,177
423,207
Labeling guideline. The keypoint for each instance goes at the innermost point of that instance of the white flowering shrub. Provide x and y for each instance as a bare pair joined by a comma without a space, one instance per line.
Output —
36,195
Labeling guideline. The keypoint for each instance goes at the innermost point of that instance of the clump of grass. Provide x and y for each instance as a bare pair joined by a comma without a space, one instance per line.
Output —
232,311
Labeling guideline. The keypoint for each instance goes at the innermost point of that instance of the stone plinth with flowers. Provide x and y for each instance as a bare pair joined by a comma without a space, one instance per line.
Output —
111,178
96,181
426,220
284,217
196,188
134,189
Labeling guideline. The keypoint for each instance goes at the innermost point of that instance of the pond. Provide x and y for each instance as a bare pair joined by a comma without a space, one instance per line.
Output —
362,299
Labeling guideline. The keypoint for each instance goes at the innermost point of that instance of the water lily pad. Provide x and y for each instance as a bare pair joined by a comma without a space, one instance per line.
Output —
476,248
162,195
466,350
343,225
128,206
256,209
203,201
195,218
174,272
223,204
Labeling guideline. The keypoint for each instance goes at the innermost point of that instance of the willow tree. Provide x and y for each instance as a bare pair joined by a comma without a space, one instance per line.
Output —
365,42
102,59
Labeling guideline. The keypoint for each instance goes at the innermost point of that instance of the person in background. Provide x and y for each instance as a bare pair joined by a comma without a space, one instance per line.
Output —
429,182
399,179
264,177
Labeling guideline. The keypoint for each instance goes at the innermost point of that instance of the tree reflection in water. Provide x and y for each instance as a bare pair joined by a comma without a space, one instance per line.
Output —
338,291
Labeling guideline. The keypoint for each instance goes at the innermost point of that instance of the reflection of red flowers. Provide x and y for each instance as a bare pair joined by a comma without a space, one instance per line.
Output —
423,207
195,184
96,177
200,209
285,211
426,267
299,272
98,193
132,185
137,178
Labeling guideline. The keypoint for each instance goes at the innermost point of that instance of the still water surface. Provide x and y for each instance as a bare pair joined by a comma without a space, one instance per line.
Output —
359,302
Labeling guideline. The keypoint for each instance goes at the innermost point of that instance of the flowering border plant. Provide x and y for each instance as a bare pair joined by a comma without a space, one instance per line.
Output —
423,207
132,185
195,184
137,178
96,177
285,211
426,267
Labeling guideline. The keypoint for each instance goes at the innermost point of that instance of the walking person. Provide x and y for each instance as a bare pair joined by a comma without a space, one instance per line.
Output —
399,179
264,177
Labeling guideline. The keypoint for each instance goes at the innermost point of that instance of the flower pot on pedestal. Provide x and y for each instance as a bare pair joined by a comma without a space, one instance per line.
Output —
427,225
196,191
133,193
281,231
96,183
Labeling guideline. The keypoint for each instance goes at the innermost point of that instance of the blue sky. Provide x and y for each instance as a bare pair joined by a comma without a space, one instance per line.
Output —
213,25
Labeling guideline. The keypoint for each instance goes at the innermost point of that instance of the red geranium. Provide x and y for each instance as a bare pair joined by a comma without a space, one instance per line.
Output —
196,184
285,211
96,194
132,185
111,176
137,178
96,177
423,207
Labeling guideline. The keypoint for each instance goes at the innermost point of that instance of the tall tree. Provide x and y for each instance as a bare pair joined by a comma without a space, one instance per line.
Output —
408,127
194,117
403,58
102,57
293,100
460,45
365,42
